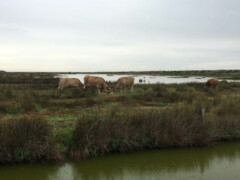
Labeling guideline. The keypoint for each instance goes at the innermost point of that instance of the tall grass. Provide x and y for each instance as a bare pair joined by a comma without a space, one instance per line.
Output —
130,130
228,105
27,139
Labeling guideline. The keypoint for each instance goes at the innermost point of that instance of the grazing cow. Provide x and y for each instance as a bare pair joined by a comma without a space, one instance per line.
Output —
95,81
212,82
69,82
124,82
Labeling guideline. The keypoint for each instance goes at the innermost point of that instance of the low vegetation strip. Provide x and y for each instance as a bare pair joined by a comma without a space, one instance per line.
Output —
29,139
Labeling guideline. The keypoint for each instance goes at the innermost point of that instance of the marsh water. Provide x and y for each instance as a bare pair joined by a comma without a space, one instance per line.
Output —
146,79
210,163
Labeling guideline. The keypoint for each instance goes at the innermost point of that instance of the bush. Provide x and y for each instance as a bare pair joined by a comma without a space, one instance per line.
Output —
26,139
140,129
89,137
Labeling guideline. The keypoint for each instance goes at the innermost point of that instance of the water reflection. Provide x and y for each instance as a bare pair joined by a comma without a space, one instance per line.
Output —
157,163
222,161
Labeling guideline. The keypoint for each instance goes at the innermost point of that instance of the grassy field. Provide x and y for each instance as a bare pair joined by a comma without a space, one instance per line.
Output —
81,123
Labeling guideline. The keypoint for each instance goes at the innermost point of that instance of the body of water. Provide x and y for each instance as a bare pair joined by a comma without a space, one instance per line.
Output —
210,163
145,79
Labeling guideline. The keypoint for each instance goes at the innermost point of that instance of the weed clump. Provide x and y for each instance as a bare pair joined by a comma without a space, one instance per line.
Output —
160,90
26,139
6,107
27,102
229,106
81,93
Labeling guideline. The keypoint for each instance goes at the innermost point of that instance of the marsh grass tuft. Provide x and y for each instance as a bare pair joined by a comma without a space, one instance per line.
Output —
27,139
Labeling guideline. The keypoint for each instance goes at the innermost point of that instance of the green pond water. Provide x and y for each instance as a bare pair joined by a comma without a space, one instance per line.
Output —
221,162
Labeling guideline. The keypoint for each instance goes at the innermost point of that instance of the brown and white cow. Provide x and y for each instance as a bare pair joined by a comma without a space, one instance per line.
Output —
212,82
69,82
95,81
124,82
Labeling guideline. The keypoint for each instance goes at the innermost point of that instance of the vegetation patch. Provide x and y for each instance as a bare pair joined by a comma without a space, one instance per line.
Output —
81,123
27,139
138,129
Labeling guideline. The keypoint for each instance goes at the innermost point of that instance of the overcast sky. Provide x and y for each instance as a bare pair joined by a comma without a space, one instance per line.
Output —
119,35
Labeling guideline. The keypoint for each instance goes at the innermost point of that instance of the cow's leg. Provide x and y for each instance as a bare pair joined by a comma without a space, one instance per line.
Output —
121,89
60,87
99,92
132,88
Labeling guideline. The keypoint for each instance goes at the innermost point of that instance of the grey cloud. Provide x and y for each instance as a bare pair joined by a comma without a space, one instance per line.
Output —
151,34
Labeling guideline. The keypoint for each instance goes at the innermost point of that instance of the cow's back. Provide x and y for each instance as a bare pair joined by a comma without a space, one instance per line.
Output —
212,82
126,81
69,82
94,81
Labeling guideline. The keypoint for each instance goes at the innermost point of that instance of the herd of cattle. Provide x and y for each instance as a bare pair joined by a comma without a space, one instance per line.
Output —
100,83
95,81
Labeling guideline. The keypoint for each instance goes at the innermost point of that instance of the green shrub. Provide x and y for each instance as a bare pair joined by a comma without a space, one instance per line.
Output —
89,137
26,139
65,138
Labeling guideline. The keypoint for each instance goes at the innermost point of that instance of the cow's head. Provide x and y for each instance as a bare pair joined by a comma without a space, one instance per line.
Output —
207,84
118,86
108,90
